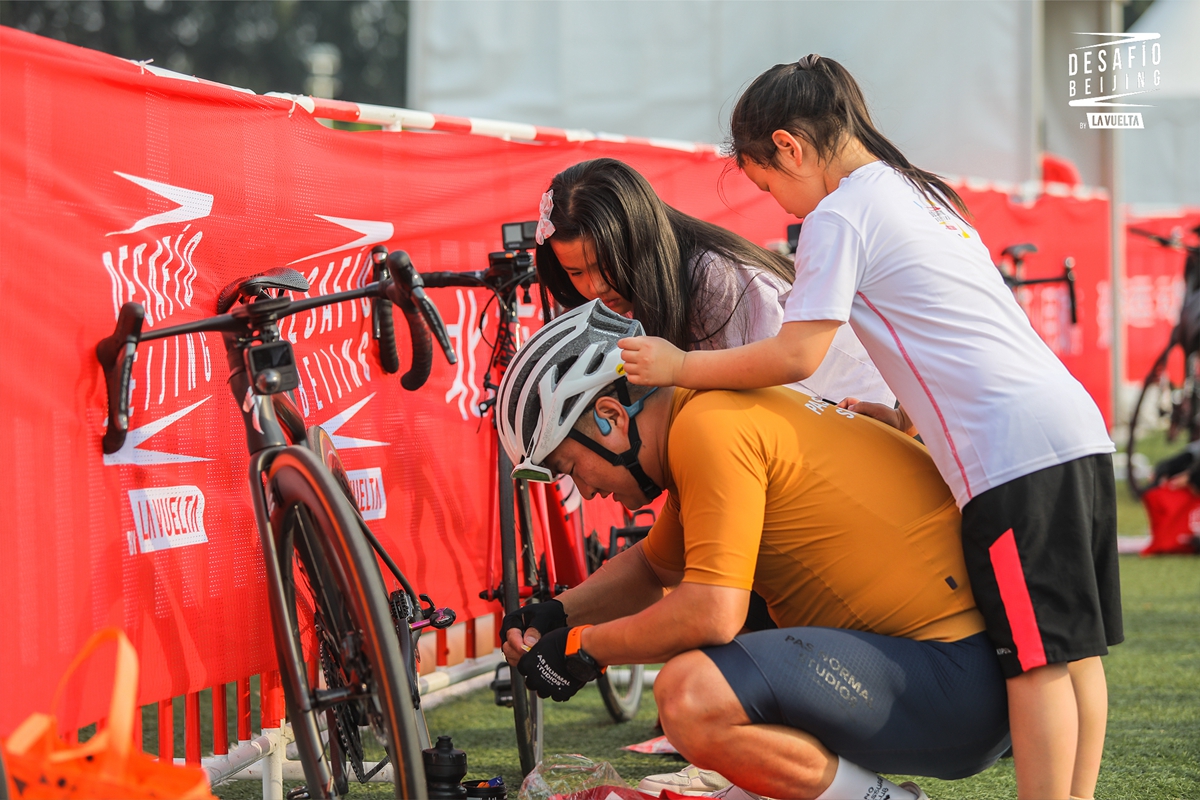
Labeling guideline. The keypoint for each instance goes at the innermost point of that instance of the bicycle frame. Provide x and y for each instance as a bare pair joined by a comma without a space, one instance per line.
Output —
1015,279
508,275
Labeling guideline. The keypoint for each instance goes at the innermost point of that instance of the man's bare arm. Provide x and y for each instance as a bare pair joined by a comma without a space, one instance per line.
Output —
624,585
692,615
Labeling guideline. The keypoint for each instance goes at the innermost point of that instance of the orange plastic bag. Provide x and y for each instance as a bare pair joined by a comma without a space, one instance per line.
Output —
39,764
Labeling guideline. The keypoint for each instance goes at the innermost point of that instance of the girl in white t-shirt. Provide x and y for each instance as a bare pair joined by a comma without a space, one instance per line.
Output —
605,233
887,247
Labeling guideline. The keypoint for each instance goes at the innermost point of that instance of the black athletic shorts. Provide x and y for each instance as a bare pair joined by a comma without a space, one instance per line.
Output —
1041,552
886,703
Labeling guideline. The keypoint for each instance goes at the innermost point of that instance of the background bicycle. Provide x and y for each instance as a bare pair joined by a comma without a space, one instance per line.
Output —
537,561
1168,402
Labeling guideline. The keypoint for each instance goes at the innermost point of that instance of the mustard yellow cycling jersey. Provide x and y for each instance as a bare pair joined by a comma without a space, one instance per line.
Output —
837,520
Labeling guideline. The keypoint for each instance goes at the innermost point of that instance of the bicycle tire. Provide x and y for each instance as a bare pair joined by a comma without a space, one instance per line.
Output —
527,706
620,686
318,542
621,690
1150,398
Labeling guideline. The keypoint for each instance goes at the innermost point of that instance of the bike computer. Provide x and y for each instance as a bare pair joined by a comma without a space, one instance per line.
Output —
272,367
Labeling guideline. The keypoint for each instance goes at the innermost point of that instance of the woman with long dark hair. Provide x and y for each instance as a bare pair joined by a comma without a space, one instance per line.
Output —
605,234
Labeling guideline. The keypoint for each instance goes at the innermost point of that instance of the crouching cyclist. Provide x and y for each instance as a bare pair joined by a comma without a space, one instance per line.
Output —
879,661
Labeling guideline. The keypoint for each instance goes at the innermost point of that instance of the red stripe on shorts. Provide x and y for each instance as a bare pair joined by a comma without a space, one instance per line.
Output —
1018,606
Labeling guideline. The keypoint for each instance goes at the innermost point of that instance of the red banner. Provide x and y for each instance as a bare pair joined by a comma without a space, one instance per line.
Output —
121,184
1154,290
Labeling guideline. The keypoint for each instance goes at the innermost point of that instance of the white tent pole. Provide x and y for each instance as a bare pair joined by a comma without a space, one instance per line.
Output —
1037,85
1112,12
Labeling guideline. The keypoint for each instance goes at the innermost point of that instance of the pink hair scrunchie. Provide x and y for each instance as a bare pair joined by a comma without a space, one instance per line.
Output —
545,228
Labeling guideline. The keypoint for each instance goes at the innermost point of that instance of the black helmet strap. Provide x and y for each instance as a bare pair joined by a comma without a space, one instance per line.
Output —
628,459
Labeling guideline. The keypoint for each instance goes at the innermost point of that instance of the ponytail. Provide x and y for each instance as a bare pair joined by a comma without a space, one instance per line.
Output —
817,99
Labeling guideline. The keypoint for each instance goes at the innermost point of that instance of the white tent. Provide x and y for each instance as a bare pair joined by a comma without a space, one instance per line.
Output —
949,83
1162,162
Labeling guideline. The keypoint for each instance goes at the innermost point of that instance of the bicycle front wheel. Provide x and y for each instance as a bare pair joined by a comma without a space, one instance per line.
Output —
621,689
330,576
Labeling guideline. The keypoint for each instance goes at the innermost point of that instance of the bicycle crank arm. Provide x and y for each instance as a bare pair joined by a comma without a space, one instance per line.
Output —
328,698
438,618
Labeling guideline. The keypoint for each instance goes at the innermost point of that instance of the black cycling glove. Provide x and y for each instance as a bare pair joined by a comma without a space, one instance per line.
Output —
542,617
545,668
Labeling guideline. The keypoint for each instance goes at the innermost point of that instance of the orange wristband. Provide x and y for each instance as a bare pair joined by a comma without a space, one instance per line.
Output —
575,645
575,639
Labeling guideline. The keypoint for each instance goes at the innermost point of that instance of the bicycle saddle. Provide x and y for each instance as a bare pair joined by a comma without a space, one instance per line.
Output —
275,278
1019,251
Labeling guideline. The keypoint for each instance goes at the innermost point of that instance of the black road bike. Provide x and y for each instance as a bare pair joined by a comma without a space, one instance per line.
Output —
322,561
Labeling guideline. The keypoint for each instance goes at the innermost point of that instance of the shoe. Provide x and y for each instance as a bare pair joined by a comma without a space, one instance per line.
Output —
690,780
917,790
733,792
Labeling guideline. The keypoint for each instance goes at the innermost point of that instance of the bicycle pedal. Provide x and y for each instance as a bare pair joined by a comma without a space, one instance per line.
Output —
299,793
435,617
501,686
443,618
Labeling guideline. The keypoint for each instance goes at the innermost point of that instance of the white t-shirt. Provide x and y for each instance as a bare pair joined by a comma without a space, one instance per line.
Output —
991,400
735,304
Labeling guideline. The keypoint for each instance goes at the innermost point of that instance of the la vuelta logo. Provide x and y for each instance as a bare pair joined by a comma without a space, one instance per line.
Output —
1102,74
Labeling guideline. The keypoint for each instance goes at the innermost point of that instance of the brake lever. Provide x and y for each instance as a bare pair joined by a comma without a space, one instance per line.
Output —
433,319
415,287
115,354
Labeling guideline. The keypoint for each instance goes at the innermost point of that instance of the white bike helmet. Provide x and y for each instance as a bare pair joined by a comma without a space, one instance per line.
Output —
551,381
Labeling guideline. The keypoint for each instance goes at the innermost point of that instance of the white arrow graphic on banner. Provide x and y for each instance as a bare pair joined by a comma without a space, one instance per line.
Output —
129,454
373,232
348,442
192,204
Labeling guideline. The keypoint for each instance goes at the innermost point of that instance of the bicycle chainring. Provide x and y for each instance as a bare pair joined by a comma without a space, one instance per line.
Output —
345,713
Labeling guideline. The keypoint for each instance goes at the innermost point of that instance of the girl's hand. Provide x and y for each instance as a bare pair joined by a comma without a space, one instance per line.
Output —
885,414
651,361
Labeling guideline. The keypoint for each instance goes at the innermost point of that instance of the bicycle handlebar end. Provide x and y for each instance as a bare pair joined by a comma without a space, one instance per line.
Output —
408,292
1069,277
115,354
